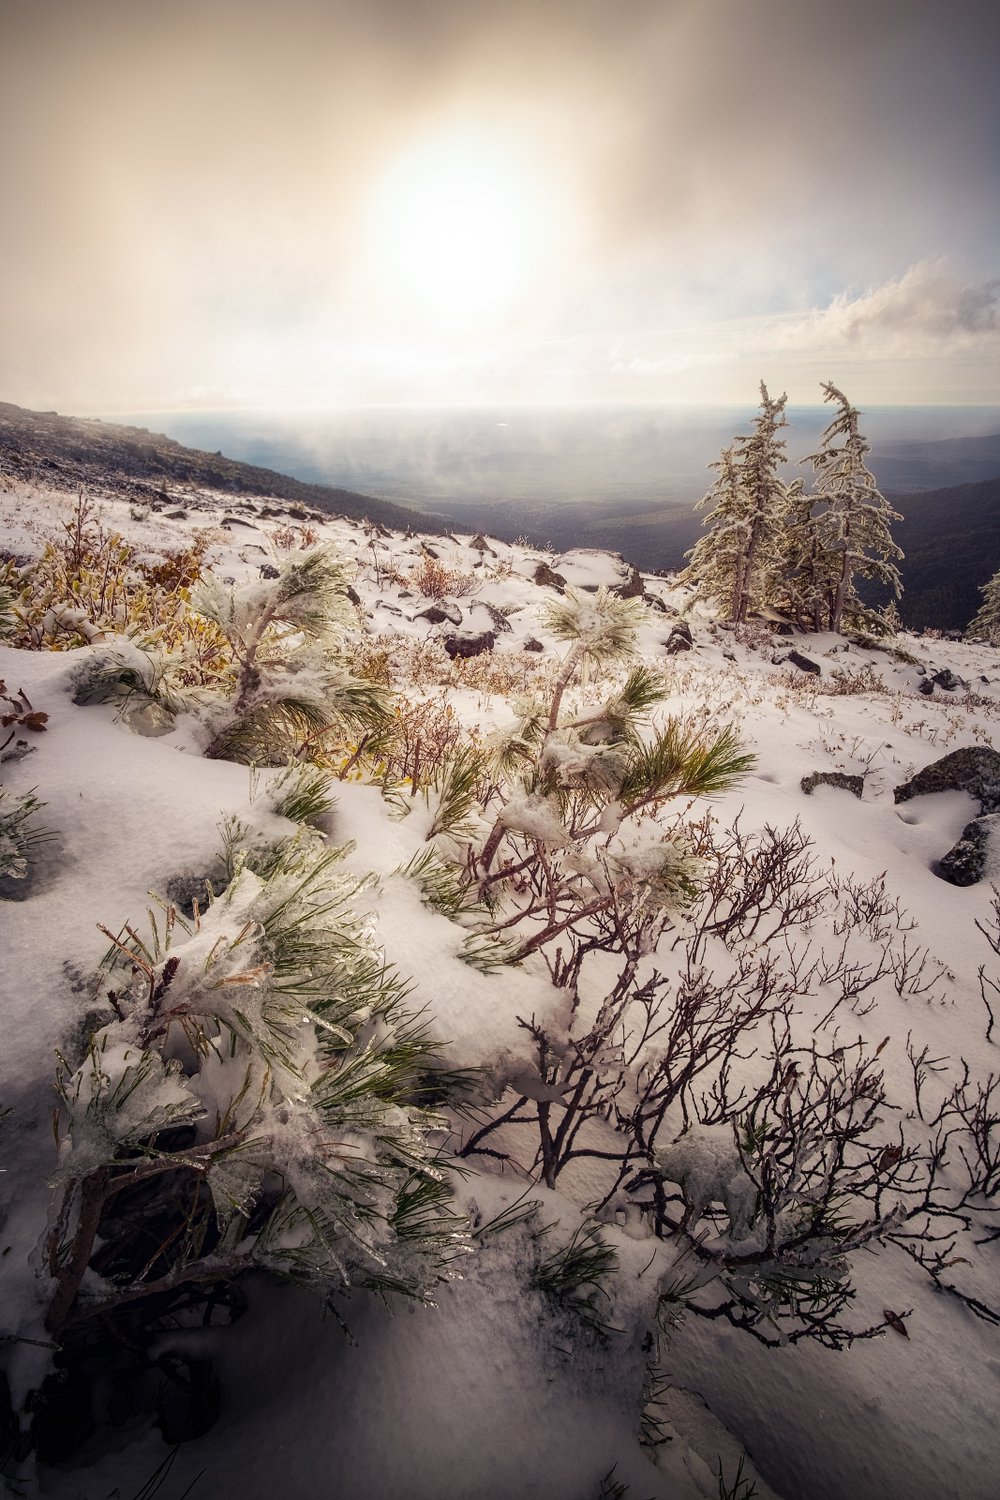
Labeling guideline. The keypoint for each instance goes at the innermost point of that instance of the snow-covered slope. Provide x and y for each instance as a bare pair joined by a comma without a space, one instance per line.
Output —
494,1393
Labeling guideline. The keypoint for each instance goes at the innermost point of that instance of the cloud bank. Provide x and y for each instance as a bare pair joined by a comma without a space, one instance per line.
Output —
189,191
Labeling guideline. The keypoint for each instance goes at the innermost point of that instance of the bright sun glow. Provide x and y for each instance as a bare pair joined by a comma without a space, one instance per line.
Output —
461,229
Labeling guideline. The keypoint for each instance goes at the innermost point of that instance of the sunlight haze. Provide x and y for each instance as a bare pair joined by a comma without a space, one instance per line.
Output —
313,204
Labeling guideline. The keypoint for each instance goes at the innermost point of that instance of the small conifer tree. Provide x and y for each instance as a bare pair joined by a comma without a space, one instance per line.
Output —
740,560
986,624
853,529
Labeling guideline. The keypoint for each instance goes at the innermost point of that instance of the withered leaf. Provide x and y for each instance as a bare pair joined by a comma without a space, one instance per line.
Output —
895,1322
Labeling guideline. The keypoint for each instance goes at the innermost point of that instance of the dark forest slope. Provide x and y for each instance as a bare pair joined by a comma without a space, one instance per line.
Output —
951,542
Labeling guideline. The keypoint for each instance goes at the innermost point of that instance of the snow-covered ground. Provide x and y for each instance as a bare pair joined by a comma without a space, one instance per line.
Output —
487,1396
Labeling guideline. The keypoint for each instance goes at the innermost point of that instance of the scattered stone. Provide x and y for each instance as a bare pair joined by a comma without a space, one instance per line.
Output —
467,645
546,578
175,515
652,601
480,544
630,587
804,663
948,680
926,687
500,620
228,522
679,639
429,551
532,645
839,779
970,858
440,614
974,769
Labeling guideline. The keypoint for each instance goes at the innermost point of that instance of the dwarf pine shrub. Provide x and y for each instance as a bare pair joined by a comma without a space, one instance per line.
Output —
250,1100
19,838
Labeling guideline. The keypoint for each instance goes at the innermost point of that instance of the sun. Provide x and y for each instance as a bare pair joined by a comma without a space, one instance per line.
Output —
460,228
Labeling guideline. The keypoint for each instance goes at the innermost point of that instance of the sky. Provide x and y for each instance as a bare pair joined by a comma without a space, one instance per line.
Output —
210,203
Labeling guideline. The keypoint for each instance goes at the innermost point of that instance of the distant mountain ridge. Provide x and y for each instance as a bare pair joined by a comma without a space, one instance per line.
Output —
935,464
950,534
72,451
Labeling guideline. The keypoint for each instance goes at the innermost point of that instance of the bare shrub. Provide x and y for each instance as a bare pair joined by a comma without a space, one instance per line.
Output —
435,580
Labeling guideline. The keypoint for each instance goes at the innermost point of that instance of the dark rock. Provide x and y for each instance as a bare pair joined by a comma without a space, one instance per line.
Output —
480,544
500,620
469,645
679,638
429,551
268,570
967,862
228,522
926,687
947,680
652,601
354,597
974,769
546,578
838,779
532,645
175,515
804,663
783,628
630,587
440,614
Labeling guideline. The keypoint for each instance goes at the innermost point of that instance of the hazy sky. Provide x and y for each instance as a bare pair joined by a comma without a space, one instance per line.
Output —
247,202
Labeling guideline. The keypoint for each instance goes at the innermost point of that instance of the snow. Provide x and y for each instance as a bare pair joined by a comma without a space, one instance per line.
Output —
474,1398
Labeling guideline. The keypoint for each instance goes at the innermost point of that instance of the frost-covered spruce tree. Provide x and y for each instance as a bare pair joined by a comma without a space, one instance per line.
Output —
853,528
717,558
806,582
986,624
252,1101
740,560
288,687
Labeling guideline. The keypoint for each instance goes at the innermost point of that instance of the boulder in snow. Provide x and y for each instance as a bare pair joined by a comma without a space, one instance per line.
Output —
679,639
440,614
839,779
974,769
466,644
545,577
804,663
948,680
971,858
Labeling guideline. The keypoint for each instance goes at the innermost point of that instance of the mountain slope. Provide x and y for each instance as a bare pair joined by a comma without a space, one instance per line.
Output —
72,451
